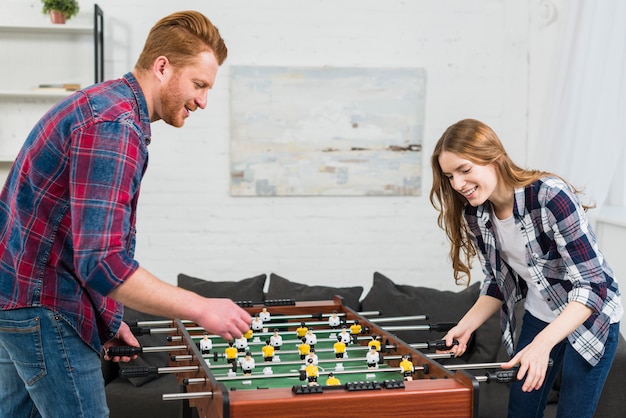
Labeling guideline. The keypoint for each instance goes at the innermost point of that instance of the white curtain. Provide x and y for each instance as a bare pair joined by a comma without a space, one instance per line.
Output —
585,120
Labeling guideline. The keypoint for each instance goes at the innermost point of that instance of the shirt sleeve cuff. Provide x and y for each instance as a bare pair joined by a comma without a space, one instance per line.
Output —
111,272
587,297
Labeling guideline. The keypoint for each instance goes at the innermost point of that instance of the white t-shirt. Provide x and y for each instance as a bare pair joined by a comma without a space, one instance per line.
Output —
511,244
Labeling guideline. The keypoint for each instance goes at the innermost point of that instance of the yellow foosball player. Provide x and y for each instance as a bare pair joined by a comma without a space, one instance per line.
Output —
304,349
231,353
407,368
332,380
268,351
339,347
374,342
355,330
301,330
312,372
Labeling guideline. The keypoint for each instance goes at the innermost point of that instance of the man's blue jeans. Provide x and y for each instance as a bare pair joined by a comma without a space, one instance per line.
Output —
46,369
581,384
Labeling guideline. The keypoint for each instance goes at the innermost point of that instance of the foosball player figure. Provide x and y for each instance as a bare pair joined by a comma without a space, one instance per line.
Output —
334,320
312,356
241,344
264,315
374,342
345,335
332,380
312,372
311,339
257,324
407,368
355,330
339,347
301,330
268,351
206,344
304,349
231,353
276,340
248,334
372,357
247,364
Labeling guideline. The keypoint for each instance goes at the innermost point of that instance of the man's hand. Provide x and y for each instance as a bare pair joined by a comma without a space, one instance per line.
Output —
224,318
124,337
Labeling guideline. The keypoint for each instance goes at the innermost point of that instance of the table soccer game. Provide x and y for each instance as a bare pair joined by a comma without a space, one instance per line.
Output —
302,358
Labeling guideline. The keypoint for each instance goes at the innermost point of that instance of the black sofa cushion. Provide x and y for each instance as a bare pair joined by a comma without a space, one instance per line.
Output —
440,305
250,289
281,288
128,401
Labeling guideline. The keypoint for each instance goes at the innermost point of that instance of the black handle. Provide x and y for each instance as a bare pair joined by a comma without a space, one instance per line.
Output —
503,376
442,326
441,344
123,351
128,372
139,331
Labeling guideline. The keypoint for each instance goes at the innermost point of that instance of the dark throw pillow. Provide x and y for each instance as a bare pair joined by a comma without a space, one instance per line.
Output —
281,288
250,289
393,300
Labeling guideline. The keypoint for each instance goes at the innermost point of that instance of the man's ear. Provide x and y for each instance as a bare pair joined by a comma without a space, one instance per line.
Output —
160,67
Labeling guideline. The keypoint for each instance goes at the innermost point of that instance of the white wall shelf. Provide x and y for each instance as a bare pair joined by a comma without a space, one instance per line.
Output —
37,52
36,94
49,28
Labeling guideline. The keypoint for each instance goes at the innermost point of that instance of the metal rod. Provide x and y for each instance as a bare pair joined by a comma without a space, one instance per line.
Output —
167,322
177,369
407,328
473,366
399,318
188,395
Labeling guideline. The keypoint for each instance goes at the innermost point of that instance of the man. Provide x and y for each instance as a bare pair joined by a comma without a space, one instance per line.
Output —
67,228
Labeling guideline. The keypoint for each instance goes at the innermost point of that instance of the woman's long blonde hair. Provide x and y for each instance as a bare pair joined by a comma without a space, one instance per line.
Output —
474,141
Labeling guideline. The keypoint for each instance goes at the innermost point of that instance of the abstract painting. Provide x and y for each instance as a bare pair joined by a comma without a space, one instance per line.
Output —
326,131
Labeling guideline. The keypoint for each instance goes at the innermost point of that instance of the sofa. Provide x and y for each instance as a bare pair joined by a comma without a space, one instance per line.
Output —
143,396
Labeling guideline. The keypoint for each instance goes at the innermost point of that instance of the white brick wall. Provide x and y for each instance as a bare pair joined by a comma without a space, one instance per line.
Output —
476,54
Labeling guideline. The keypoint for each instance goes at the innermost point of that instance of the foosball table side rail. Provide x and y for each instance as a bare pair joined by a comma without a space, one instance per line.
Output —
217,404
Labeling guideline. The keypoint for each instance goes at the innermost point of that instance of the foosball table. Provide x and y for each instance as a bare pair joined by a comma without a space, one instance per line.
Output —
312,368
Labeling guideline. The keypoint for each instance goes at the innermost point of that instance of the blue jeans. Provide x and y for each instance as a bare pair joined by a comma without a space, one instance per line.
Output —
47,370
581,384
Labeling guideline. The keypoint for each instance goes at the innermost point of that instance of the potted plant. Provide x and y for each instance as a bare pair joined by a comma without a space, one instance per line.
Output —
60,10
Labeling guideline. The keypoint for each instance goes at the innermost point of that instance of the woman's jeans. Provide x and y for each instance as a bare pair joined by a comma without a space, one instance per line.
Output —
581,384
46,369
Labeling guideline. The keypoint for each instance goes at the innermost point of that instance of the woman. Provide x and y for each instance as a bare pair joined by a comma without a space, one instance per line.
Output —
534,242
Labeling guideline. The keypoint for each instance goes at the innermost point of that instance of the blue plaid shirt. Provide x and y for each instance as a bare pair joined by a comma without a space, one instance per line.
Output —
67,210
562,257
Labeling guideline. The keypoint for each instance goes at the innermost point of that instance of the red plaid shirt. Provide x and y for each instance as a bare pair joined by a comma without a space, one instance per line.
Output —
67,210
